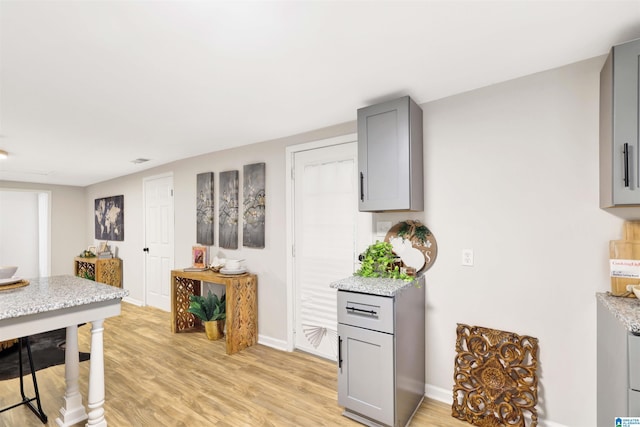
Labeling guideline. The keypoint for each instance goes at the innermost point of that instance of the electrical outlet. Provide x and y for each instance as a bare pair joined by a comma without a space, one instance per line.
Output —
467,257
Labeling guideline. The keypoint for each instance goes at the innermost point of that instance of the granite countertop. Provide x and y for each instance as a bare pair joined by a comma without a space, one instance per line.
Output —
54,293
627,310
375,286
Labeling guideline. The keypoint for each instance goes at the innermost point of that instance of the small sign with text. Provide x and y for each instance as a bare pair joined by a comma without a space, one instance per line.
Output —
629,268
627,421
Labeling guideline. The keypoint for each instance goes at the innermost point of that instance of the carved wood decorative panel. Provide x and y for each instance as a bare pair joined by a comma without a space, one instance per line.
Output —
109,271
244,314
185,288
496,383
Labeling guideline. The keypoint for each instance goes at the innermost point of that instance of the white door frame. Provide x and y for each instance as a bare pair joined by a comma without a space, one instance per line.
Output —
144,229
289,203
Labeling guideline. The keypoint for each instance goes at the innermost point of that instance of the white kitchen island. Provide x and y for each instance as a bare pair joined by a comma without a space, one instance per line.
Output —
58,302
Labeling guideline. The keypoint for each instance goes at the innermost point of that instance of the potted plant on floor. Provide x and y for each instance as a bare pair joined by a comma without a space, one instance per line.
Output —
212,311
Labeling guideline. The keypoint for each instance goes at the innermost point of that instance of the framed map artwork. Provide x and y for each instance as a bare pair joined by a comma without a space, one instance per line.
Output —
109,218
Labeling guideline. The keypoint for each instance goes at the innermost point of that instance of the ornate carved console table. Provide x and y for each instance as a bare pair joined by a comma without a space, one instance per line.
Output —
107,270
242,304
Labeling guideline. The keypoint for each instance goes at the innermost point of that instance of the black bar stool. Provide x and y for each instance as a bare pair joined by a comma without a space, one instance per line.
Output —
24,341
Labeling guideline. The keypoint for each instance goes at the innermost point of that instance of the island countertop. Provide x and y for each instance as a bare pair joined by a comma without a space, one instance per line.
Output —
626,310
375,286
53,293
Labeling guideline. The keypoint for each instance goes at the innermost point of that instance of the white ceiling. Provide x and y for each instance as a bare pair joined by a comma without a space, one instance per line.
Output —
88,86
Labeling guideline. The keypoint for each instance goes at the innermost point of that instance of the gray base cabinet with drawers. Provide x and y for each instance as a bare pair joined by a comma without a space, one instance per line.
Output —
381,347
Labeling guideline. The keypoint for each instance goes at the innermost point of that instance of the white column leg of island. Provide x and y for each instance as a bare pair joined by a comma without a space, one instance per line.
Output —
72,411
95,400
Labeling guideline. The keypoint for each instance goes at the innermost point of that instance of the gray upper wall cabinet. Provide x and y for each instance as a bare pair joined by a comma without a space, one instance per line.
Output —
390,156
619,145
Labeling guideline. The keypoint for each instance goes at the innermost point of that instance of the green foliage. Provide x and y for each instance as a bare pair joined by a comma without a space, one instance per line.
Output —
86,275
208,308
377,261
420,232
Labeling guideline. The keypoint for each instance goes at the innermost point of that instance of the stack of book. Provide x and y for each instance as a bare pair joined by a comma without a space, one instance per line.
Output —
105,254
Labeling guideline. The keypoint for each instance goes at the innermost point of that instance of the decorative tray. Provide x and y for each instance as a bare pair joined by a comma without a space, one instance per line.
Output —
13,284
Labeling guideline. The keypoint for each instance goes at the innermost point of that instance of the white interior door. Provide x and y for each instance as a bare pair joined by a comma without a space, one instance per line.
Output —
158,232
328,233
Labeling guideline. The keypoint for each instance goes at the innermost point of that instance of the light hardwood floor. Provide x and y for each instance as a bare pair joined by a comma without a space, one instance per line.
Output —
156,378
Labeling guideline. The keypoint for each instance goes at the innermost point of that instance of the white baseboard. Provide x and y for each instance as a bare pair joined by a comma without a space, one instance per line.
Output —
446,396
272,342
543,423
132,301
439,394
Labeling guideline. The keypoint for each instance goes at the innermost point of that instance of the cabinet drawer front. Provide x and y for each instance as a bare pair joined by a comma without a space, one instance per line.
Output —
366,311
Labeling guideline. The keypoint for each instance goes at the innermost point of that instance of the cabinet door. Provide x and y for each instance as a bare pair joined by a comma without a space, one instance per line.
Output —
634,404
366,373
633,354
390,156
109,271
619,125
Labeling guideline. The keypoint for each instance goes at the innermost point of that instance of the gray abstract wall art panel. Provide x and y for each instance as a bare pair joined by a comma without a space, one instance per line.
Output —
254,205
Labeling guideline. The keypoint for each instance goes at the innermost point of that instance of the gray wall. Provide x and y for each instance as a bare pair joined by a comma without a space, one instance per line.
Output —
512,172
268,263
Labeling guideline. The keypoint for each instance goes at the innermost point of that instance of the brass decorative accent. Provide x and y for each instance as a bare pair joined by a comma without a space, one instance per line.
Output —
495,378
214,329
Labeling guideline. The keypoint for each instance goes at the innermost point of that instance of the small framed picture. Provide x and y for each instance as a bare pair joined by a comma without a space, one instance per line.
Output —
92,249
199,256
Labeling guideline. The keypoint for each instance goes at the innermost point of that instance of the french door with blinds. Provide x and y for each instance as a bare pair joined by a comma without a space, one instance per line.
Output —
329,232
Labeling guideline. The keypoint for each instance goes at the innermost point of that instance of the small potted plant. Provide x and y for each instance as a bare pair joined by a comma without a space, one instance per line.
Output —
212,311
